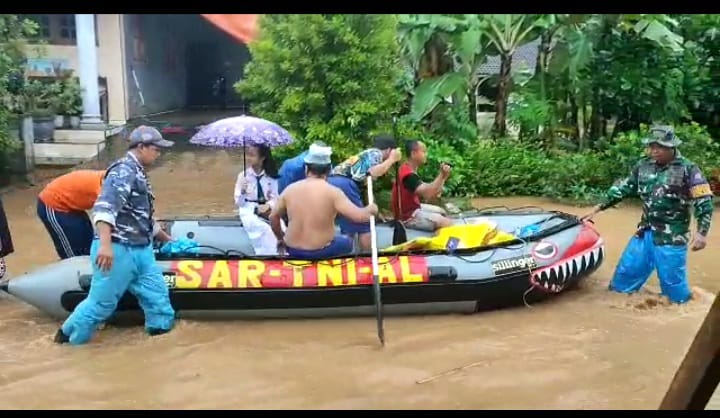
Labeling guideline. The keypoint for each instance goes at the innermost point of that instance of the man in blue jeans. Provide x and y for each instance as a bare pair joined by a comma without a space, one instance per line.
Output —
122,256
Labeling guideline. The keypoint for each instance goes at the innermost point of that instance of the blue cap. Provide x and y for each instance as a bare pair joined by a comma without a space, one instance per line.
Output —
149,136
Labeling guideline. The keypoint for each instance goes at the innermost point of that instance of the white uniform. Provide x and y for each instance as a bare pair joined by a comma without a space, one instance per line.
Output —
261,236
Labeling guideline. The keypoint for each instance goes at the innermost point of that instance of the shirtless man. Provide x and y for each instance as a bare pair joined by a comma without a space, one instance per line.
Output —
311,206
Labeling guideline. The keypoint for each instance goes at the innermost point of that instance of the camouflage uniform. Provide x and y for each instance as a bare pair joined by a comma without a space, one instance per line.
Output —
126,203
663,234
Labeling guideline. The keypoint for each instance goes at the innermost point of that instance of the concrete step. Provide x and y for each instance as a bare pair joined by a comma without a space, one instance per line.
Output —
86,136
78,136
58,153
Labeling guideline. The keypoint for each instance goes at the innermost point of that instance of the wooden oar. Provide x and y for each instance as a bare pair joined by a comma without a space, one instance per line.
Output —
375,267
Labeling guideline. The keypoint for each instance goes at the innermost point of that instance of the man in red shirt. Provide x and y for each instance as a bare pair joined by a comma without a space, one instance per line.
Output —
414,214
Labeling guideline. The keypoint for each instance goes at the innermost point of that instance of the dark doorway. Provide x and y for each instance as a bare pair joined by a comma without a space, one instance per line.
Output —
213,67
176,60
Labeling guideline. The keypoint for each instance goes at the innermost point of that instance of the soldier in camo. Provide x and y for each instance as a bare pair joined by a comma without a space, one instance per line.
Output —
669,185
121,254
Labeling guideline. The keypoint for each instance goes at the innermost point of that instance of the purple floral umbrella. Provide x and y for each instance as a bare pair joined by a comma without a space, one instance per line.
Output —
241,131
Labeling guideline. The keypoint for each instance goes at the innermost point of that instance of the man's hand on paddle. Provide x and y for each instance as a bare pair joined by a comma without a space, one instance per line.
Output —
589,216
395,155
372,209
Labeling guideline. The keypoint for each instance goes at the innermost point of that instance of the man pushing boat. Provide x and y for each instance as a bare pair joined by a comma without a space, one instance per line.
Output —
62,207
668,184
312,205
122,255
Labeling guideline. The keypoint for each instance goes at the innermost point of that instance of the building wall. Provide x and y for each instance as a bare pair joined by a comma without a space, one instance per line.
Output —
176,58
110,59
155,46
154,51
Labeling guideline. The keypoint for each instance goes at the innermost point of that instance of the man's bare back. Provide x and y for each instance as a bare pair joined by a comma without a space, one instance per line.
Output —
311,206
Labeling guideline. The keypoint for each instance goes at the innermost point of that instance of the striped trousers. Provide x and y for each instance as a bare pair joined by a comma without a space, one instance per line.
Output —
71,232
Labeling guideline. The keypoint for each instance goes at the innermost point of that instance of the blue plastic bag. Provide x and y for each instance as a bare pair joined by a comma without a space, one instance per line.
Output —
180,246
527,231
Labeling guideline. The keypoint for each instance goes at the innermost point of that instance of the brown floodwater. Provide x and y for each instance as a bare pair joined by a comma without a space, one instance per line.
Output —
588,349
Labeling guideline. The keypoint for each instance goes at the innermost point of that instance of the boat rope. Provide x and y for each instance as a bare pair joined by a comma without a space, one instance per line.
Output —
527,292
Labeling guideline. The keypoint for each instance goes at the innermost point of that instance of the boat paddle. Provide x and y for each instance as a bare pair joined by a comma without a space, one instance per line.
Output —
375,267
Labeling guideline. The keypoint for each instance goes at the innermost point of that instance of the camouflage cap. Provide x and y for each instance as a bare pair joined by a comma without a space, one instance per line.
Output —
663,136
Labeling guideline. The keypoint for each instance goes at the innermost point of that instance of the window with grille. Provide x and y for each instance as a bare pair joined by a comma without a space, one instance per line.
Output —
58,29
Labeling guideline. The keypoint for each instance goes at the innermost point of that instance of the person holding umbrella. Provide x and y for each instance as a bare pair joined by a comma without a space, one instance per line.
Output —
256,188
256,191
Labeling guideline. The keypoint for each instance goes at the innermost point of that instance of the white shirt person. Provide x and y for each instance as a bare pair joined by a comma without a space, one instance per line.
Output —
256,191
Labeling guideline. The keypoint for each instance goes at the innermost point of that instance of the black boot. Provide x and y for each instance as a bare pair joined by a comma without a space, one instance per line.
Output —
60,337
153,332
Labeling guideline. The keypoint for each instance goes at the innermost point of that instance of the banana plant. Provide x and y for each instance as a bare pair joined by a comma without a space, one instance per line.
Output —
445,52
577,37
505,33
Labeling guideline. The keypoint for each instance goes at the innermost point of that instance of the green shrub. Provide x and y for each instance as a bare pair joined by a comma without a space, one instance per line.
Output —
508,167
698,146
329,77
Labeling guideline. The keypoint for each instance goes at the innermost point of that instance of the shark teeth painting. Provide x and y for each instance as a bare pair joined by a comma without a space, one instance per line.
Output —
555,277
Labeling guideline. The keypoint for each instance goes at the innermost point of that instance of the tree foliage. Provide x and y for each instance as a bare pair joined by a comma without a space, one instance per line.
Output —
599,79
13,33
328,77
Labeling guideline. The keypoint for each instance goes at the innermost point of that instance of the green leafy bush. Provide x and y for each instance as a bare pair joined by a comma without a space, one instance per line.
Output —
13,32
329,77
508,167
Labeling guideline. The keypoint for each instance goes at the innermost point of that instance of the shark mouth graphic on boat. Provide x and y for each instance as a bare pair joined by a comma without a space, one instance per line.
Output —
556,277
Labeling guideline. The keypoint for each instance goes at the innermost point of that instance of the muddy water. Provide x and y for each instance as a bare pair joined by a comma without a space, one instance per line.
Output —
587,350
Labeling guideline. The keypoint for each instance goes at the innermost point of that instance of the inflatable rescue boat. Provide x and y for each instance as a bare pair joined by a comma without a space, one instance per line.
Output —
543,253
